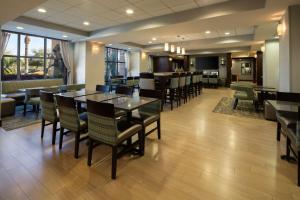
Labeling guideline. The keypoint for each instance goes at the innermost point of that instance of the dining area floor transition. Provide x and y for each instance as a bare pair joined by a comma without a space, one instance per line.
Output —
201,155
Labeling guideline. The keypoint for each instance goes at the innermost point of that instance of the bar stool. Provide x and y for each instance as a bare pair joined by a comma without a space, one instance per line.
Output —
173,90
182,93
188,84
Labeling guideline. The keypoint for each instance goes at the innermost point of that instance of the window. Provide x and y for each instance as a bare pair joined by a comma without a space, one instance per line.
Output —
31,57
115,60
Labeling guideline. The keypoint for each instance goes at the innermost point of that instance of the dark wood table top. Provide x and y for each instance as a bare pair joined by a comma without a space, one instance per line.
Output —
97,97
79,93
264,89
128,103
286,106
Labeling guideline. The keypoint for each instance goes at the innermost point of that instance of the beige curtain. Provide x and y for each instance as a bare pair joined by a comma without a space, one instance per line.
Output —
67,56
4,37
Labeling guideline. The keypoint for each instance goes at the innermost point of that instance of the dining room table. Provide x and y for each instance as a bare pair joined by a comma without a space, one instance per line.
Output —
265,93
284,106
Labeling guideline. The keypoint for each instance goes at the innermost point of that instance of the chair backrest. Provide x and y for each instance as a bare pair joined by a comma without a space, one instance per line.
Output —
124,90
48,106
152,108
195,78
31,93
68,113
174,81
188,79
102,122
213,80
182,80
288,96
147,81
102,88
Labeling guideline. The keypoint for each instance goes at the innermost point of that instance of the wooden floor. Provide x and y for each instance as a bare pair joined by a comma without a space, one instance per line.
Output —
202,155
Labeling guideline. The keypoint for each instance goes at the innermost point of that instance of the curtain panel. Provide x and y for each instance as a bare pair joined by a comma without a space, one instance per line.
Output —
67,56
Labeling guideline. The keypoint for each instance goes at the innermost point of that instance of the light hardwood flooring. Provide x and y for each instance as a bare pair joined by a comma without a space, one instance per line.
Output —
202,155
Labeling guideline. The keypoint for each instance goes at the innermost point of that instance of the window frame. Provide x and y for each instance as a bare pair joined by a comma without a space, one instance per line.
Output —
114,62
19,57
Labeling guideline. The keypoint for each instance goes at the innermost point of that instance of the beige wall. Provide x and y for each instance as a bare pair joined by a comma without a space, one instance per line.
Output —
271,64
79,62
145,62
94,67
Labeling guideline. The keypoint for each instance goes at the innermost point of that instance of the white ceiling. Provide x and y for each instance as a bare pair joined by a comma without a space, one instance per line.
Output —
106,13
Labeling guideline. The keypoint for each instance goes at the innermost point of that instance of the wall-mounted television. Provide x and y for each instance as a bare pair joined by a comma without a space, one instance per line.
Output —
207,63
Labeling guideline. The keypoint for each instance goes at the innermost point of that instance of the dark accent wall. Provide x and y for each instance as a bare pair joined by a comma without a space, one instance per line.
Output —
259,68
228,67
164,64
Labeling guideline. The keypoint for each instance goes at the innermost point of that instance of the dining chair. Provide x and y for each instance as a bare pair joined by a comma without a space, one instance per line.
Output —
72,121
182,88
32,97
102,88
173,90
104,128
293,144
286,119
149,113
49,113
188,84
124,90
147,81
194,80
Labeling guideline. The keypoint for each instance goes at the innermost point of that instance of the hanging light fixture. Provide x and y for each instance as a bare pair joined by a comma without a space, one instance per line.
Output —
166,46
178,50
183,51
172,48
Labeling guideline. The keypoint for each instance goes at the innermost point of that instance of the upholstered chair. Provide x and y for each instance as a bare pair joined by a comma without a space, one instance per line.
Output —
182,92
147,81
104,128
173,90
32,97
72,121
49,113
102,88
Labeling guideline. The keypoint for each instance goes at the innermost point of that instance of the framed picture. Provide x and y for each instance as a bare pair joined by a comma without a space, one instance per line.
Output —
246,68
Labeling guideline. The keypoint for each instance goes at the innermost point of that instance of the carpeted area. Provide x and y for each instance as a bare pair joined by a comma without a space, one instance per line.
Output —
244,108
18,120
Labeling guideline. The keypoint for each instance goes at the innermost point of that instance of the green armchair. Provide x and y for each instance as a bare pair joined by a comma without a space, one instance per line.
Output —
243,91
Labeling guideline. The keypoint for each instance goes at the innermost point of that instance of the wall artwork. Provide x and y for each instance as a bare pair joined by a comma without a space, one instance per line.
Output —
246,68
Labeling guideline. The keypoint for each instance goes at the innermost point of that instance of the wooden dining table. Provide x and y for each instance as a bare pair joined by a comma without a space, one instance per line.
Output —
284,106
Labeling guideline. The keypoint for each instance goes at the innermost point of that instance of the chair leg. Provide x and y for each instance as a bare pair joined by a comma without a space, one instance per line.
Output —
90,152
288,151
61,137
114,162
77,138
278,131
158,128
43,128
298,168
54,133
171,97
24,111
141,142
236,101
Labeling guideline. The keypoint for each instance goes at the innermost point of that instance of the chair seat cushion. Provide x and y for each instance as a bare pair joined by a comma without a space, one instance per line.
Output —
241,95
34,101
288,121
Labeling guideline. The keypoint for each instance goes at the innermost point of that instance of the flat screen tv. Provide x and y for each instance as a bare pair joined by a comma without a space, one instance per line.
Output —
207,63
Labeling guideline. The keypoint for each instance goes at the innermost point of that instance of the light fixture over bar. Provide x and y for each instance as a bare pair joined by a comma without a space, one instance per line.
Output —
183,51
172,48
178,50
166,46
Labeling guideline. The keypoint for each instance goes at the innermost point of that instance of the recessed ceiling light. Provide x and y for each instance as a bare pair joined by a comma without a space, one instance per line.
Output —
129,48
154,39
42,10
19,27
207,32
227,33
64,36
109,44
86,23
129,11
150,42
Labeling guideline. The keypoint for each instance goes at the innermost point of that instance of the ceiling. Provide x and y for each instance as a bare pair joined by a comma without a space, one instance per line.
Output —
180,22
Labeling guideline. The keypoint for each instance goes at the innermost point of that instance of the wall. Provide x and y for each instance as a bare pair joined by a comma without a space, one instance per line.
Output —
79,62
271,64
134,63
145,62
95,66
236,68
284,56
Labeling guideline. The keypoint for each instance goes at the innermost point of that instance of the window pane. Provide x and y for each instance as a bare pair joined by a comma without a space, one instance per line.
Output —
12,45
9,67
52,48
112,54
121,56
32,46
54,68
32,68
121,69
